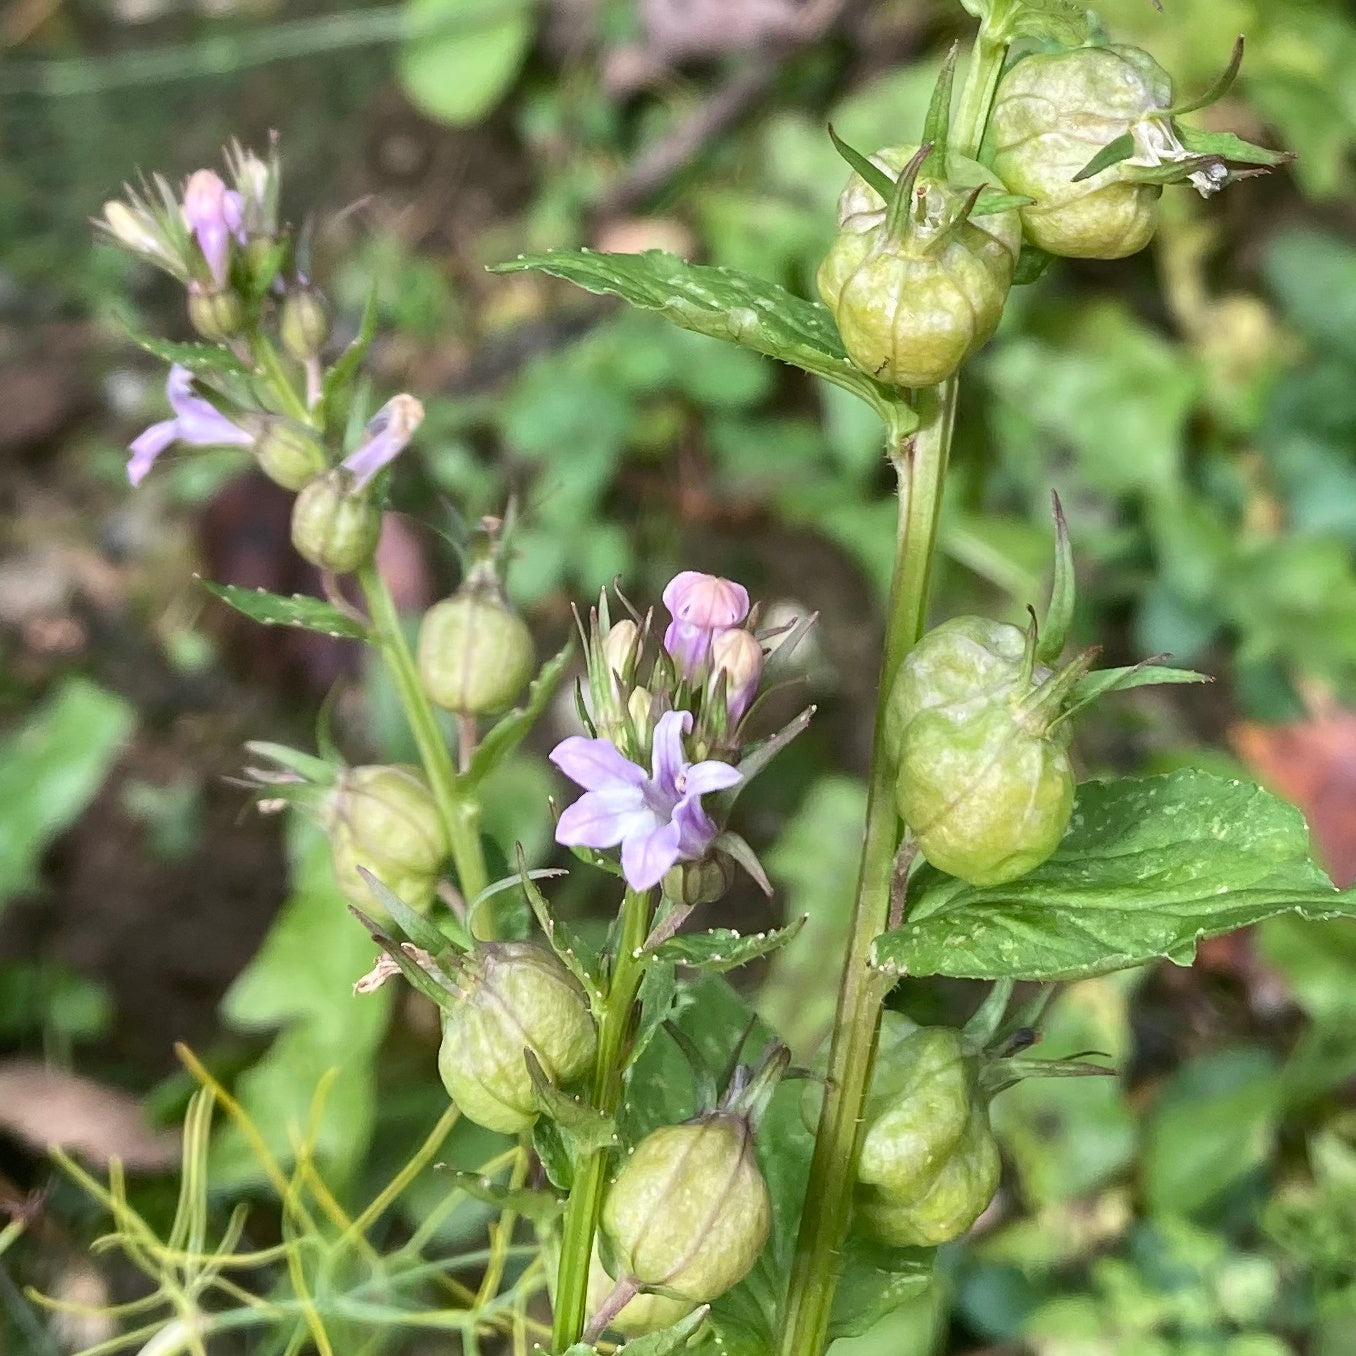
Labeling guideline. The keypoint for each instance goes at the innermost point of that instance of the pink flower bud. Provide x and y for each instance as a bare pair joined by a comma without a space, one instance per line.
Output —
213,213
737,654
701,604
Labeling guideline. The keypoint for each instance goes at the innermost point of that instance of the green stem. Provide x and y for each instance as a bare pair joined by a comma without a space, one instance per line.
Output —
920,460
981,81
267,358
586,1195
460,813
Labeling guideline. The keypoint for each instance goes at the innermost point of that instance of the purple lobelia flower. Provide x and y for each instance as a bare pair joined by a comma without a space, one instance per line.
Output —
657,817
387,434
196,422
214,214
701,605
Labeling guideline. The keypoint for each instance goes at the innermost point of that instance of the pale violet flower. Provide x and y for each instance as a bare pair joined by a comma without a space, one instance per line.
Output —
656,816
215,216
702,605
385,438
196,422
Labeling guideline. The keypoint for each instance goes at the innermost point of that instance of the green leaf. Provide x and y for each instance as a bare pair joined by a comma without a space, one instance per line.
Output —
1147,869
272,609
721,303
461,59
200,359
302,982
50,769
585,1129
510,731
1227,146
549,1145
723,949
875,1281
336,390
1102,681
1122,148
1031,264
665,1342
871,172
541,1207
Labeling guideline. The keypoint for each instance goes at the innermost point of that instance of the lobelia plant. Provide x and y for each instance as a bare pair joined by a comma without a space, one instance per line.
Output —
715,1221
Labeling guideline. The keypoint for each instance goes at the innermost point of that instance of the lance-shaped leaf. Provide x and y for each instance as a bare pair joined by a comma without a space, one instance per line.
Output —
722,303
1146,870
723,949
1054,631
584,1129
510,730
1147,674
1031,264
1122,148
562,942
1226,146
1220,88
272,609
433,983
937,123
200,359
412,923
541,1207
871,172
337,387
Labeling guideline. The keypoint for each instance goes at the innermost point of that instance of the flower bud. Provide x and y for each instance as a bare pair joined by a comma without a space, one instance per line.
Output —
517,997
1052,114
335,526
475,655
639,705
289,454
701,605
689,1211
217,314
135,230
621,647
386,820
691,884
913,300
305,323
736,656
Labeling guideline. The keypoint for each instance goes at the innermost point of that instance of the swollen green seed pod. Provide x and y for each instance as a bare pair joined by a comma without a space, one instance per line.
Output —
304,325
217,315
953,1199
646,1312
1053,113
913,302
689,1211
288,454
386,820
517,998
335,525
475,655
984,780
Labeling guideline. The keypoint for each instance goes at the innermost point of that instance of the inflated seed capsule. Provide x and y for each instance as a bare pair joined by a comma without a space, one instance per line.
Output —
646,1312
516,997
914,299
336,525
304,325
288,454
384,818
689,1211
984,780
475,654
1053,113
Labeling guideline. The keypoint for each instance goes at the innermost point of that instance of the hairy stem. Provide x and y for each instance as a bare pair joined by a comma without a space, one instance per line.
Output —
460,812
586,1195
920,461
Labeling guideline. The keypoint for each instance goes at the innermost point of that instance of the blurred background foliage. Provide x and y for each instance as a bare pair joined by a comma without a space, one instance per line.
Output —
1195,406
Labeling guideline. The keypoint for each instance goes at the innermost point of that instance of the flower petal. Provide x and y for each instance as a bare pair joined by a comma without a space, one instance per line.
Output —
602,819
595,763
148,446
690,647
696,829
706,600
388,433
645,857
710,776
669,758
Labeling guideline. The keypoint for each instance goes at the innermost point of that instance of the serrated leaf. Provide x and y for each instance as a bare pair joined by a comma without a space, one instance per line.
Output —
723,949
200,359
510,730
1146,870
541,1207
300,609
722,303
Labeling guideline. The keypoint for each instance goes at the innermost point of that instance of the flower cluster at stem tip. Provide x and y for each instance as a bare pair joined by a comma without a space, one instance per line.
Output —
659,748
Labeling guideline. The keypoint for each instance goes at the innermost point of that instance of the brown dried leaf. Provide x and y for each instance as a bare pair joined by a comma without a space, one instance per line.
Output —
53,1109
1312,763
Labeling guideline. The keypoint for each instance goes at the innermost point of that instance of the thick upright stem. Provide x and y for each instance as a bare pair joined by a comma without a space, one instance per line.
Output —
586,1195
920,460
460,813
